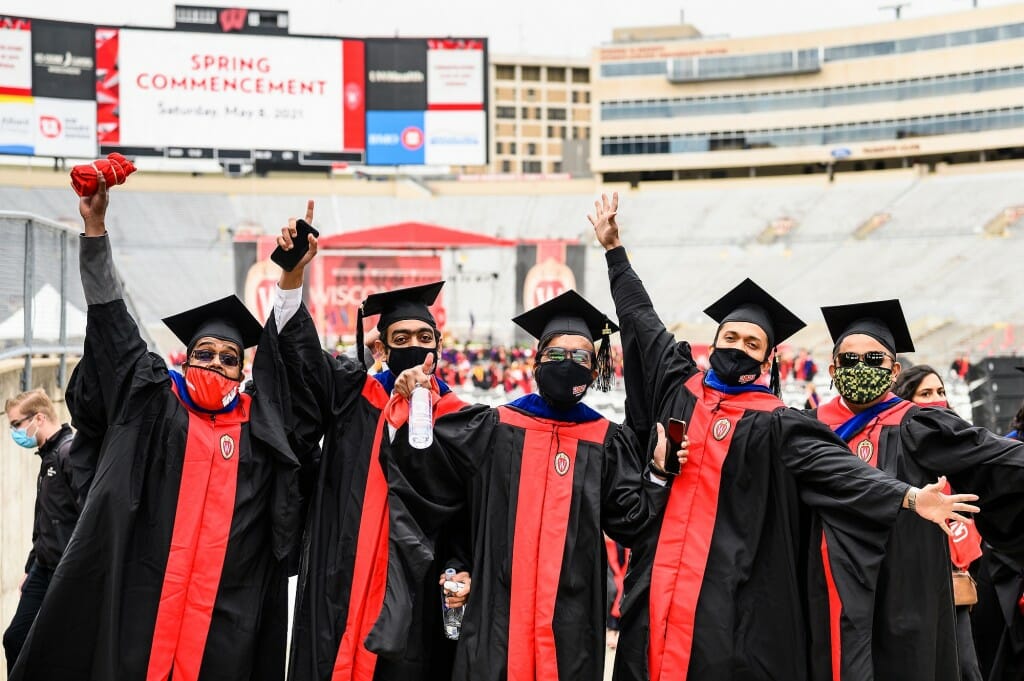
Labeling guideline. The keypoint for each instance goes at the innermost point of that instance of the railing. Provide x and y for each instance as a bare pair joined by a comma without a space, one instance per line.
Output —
42,305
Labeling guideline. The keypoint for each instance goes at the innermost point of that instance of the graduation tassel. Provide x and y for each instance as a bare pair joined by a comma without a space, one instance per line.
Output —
776,381
604,361
359,336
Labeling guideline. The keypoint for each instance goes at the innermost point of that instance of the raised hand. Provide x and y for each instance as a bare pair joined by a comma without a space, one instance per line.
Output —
94,208
406,381
605,228
293,279
931,504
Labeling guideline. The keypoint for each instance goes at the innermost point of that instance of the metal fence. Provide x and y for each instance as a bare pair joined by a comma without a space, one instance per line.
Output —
42,306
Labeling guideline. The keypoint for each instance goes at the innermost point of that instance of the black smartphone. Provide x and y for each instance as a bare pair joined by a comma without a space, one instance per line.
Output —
675,433
287,260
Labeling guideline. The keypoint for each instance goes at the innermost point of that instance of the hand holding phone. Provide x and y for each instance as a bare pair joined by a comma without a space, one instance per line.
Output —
675,434
287,260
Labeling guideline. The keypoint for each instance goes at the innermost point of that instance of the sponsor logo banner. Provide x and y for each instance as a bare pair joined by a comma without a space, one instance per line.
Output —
15,56
455,137
395,137
63,60
65,127
396,75
16,118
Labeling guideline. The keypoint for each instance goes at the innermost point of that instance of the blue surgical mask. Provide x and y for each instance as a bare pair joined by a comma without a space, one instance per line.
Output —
23,439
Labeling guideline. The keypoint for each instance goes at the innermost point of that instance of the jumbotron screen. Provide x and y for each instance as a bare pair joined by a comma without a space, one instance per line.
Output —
249,97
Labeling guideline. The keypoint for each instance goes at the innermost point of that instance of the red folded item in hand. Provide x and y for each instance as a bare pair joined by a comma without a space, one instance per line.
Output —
115,168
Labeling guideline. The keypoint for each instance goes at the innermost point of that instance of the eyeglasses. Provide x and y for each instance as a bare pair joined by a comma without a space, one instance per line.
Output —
206,356
17,424
581,357
874,358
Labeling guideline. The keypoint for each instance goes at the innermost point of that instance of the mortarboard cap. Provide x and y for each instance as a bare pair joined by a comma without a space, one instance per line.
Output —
568,313
227,319
404,303
883,320
748,302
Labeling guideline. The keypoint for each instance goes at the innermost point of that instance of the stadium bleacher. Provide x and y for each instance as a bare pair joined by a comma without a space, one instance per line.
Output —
689,241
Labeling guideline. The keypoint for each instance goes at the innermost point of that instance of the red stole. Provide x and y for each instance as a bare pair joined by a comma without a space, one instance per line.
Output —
199,542
834,413
685,541
369,575
542,517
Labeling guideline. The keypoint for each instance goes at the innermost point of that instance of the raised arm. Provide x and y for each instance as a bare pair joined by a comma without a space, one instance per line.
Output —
655,364
320,386
116,369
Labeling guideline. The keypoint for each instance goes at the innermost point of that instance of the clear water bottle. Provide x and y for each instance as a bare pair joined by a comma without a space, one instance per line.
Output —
451,617
421,418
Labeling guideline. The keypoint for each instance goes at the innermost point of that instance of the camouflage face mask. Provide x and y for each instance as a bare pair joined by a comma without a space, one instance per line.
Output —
862,384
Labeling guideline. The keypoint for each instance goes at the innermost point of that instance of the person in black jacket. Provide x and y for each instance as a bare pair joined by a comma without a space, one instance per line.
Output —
34,423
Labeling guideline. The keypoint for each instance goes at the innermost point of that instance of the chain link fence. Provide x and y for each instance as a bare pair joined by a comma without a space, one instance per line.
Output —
42,305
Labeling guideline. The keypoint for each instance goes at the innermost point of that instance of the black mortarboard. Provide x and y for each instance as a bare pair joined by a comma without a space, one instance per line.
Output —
570,313
883,320
748,302
227,319
392,306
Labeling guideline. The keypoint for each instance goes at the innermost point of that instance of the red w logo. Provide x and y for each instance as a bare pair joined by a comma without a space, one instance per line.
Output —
233,19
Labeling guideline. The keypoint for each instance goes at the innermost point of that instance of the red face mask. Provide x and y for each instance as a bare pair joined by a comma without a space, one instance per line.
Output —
209,389
941,404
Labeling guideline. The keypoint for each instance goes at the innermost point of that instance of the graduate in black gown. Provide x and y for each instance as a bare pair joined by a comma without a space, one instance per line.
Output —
914,622
177,564
344,566
717,590
540,479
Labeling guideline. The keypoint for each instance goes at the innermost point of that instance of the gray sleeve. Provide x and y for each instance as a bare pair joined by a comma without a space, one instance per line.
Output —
351,353
99,278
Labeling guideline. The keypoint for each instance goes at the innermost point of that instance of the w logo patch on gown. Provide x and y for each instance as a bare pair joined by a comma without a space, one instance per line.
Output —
562,463
721,428
227,446
865,450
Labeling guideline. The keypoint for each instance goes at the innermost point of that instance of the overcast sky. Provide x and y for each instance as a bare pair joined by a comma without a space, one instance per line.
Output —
527,27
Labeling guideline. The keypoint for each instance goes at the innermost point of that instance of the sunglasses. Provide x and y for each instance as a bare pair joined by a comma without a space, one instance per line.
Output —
17,424
581,357
207,356
874,358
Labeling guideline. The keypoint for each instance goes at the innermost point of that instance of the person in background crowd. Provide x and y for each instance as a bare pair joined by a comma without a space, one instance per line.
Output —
811,397
998,618
914,619
922,385
34,425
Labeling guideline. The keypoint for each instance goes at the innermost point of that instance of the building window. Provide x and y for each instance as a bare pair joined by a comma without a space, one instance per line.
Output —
556,167
524,113
531,72
581,75
506,166
531,166
556,114
505,112
511,147
531,95
505,72
499,147
556,74
556,132
531,149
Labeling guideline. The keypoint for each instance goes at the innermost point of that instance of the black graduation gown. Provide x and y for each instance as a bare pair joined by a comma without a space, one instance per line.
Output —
996,620
345,554
914,622
538,493
728,561
163,471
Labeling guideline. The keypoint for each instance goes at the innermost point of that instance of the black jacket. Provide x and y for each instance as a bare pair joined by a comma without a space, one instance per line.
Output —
57,506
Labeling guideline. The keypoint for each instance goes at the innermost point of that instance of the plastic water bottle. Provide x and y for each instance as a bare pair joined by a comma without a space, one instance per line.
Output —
451,617
421,418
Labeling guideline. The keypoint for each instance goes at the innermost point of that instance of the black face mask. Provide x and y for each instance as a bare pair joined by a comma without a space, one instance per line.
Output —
735,367
400,359
562,384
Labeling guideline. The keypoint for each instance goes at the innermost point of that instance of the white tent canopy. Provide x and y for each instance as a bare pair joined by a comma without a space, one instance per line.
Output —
45,318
